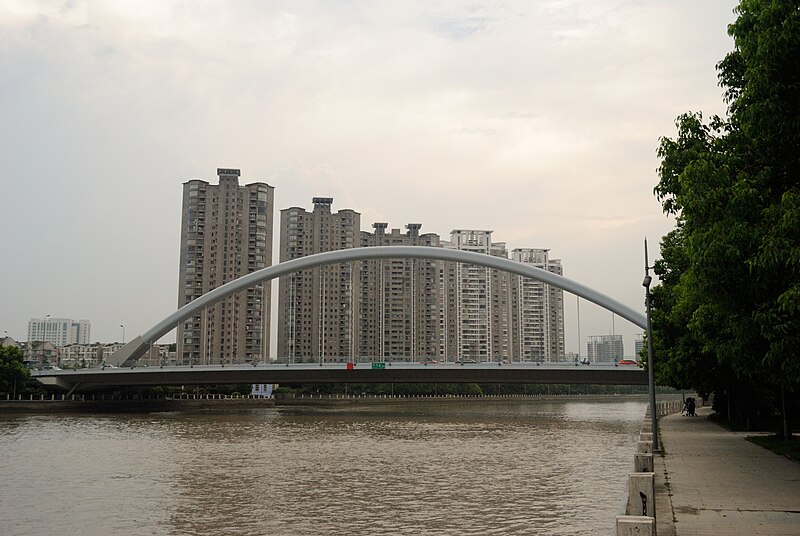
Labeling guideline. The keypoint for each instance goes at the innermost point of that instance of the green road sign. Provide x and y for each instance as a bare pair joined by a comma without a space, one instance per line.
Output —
379,365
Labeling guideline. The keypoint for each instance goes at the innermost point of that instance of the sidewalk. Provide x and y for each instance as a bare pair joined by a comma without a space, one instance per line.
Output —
721,484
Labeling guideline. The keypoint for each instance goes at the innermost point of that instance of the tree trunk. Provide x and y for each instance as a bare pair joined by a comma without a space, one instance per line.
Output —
783,413
728,400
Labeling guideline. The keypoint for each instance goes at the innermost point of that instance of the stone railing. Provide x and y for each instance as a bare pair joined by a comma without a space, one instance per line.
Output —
640,507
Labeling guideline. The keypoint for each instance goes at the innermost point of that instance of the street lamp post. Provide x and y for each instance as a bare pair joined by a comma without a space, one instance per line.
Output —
123,332
650,356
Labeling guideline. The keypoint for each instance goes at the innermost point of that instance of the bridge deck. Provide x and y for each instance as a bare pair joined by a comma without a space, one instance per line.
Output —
339,373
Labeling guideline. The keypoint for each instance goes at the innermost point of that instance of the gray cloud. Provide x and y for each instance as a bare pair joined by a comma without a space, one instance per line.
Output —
539,120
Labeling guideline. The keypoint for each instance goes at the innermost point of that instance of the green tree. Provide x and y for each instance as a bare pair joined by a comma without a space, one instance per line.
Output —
13,374
727,314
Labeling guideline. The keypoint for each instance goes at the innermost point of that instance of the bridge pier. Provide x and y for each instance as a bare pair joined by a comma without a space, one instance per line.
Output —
73,388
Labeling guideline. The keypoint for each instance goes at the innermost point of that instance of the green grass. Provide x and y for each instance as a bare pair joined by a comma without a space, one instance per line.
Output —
790,449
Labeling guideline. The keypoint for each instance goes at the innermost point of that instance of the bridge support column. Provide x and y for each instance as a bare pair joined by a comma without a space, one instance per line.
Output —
54,381
72,389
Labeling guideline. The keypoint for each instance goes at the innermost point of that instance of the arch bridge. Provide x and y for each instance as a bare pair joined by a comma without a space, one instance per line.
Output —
127,355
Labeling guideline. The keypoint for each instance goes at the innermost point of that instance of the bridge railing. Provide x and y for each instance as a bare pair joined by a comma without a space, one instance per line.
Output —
363,359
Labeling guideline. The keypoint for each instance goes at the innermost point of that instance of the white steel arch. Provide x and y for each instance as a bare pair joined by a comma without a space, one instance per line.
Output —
138,346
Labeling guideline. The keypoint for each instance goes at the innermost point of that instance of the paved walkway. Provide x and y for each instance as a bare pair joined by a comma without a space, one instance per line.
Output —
721,484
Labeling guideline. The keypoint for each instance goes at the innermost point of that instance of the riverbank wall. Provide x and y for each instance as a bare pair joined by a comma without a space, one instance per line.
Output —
108,404
366,400
210,402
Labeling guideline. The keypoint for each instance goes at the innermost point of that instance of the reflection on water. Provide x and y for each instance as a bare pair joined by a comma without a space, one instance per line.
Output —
477,468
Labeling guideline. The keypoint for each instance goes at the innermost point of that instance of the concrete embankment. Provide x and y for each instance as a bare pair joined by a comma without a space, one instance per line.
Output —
134,405
122,404
376,400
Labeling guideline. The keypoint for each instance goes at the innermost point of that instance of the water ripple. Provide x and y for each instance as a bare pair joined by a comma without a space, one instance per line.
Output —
494,468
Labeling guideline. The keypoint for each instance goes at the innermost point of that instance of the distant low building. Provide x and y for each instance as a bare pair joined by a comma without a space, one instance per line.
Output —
157,355
8,341
262,389
59,331
605,348
95,354
41,353
81,355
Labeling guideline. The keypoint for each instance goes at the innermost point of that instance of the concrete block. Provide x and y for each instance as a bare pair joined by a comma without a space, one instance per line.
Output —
643,463
641,494
644,447
646,436
636,526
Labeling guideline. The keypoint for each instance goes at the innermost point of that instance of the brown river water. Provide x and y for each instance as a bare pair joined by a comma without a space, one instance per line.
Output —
459,467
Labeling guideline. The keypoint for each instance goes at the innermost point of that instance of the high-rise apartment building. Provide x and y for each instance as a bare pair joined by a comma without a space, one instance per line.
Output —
226,232
605,348
501,308
59,331
410,309
318,308
399,317
474,312
537,319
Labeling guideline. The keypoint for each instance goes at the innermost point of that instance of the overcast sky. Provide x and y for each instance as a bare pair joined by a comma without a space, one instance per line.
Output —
536,119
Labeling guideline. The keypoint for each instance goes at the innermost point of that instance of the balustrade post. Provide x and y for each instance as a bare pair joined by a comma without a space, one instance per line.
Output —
636,526
643,463
641,494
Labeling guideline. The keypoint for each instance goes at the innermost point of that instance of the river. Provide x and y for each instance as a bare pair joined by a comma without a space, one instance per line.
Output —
473,467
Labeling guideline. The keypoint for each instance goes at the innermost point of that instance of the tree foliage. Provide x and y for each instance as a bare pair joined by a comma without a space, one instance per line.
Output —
13,374
727,312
